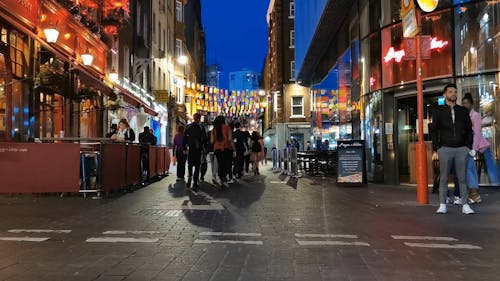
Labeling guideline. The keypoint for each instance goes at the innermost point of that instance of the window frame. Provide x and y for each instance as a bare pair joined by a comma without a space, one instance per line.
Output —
291,10
292,70
292,39
179,11
292,106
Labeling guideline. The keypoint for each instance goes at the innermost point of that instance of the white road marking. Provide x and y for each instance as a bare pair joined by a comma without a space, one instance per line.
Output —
349,236
39,230
201,241
121,239
122,232
331,243
278,182
443,246
28,239
173,213
215,207
230,234
437,238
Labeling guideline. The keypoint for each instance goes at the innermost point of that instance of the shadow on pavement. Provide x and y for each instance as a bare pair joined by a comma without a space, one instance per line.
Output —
178,189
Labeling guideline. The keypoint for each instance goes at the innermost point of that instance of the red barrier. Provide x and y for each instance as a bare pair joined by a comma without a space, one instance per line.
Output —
167,160
114,166
160,160
133,164
153,172
39,167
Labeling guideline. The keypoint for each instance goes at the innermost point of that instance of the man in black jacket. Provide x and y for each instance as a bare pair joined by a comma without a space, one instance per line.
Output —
194,139
452,139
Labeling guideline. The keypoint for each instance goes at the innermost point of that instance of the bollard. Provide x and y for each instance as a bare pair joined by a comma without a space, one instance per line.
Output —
293,163
280,160
274,155
285,161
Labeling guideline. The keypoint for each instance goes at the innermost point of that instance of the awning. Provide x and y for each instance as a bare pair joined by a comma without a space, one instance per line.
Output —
131,99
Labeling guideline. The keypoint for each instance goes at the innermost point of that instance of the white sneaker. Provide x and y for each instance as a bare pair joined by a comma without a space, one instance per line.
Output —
457,201
466,209
448,200
231,181
442,209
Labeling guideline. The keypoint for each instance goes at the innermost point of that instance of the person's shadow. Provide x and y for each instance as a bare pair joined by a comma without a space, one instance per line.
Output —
178,189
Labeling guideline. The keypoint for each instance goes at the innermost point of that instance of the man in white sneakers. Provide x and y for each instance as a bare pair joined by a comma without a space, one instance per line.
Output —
452,138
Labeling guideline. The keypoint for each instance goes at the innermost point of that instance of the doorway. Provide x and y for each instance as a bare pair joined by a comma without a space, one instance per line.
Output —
406,116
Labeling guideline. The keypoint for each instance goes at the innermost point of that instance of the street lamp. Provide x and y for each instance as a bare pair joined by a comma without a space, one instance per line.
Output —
113,76
182,59
51,34
87,58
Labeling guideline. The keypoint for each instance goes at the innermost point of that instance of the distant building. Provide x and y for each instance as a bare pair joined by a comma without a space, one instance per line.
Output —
214,72
244,80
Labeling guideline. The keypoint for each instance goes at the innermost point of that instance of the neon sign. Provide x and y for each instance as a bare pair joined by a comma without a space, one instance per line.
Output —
435,44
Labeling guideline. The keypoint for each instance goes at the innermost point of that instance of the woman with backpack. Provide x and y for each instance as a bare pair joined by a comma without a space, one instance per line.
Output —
256,152
224,150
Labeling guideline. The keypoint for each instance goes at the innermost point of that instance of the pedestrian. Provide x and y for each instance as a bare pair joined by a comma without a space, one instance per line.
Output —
479,145
213,160
239,139
146,139
179,153
256,152
264,154
154,140
248,151
204,155
124,133
224,148
452,139
194,138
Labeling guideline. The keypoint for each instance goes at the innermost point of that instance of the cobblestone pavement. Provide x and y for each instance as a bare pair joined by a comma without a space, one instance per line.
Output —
266,227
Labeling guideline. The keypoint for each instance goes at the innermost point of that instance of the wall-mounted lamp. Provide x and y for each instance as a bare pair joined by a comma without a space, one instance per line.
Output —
51,34
87,58
113,76
182,59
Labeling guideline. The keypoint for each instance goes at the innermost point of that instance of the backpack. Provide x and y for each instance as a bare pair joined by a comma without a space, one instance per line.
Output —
256,147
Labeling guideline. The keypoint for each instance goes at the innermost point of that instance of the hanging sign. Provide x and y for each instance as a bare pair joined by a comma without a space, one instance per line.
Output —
409,17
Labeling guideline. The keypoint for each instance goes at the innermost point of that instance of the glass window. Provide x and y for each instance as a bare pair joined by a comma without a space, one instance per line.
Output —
297,106
292,70
373,123
477,27
179,11
18,45
485,92
138,19
292,9
370,63
390,11
398,68
178,48
292,38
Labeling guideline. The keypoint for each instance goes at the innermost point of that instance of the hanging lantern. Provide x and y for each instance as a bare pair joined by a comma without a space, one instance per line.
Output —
51,34
87,58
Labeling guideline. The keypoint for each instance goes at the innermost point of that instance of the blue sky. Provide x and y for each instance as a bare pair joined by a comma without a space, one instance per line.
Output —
236,34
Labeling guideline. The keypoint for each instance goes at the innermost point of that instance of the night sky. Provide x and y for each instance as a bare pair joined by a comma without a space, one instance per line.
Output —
236,34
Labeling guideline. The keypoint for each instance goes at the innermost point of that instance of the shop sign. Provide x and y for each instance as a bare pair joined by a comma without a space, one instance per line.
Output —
25,10
351,167
409,52
161,96
410,27
427,5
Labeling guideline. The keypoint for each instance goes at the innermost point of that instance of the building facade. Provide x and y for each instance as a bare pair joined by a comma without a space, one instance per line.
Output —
289,102
364,77
244,80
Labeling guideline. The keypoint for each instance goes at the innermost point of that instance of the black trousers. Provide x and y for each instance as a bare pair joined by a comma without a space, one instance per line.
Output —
181,164
239,163
224,161
194,161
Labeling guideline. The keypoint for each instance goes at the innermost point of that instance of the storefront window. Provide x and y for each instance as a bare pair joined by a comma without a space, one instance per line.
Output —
373,135
369,19
390,12
485,92
370,63
398,54
477,42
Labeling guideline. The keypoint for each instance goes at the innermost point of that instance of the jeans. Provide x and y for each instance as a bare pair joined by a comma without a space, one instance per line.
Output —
471,176
447,157
491,166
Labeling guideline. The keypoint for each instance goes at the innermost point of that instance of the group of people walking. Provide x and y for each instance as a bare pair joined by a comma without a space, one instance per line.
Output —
457,138
228,147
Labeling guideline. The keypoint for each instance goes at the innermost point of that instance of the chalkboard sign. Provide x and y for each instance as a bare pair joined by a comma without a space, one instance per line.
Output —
351,167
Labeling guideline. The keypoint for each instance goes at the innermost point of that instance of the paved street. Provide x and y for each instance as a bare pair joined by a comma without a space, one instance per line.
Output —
267,227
